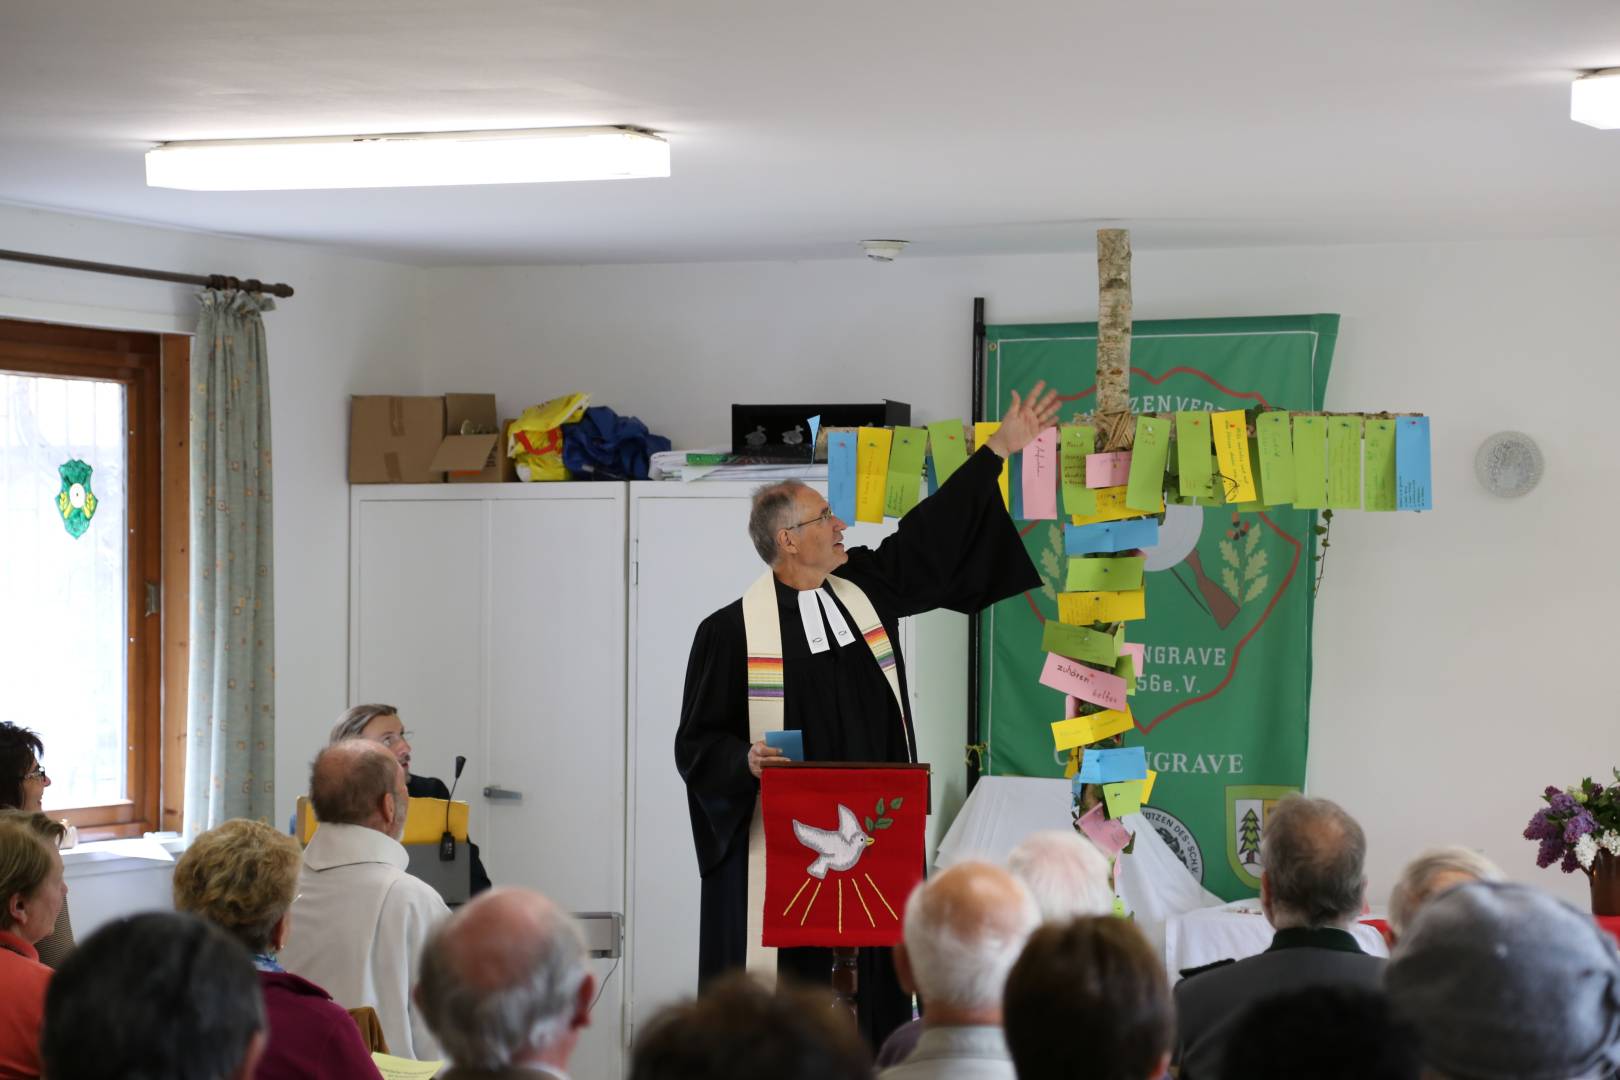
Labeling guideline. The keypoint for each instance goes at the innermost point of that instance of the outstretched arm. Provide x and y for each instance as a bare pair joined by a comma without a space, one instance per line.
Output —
1025,419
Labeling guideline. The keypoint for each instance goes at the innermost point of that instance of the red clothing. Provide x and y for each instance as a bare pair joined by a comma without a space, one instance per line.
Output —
311,1036
22,1007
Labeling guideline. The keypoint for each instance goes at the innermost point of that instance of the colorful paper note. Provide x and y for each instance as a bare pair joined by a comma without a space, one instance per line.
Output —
871,472
1092,728
1074,446
1111,507
1344,463
1231,435
1275,437
790,742
1379,465
1412,491
981,435
1104,573
1310,462
948,448
1088,684
1147,786
1113,766
1150,452
1136,651
1110,536
1078,643
1125,668
1122,798
841,457
815,429
1110,836
1085,608
398,1068
910,446
1108,470
1040,476
1194,455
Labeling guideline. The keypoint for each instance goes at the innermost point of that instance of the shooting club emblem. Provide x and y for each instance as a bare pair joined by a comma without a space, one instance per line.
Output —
75,502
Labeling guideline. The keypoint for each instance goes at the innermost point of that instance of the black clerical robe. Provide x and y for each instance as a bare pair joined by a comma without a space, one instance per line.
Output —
956,549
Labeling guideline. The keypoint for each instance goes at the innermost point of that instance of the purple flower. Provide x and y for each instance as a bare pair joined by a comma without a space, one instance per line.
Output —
1561,802
1547,854
1570,863
1542,827
1578,826
1550,792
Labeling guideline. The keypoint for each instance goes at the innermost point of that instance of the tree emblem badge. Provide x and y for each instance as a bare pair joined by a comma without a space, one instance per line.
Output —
75,502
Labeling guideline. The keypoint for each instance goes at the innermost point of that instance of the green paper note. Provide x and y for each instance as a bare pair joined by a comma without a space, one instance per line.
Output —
1149,454
1380,464
1310,462
1078,643
948,446
1125,668
1087,574
1123,798
1344,462
1260,502
1275,452
1194,454
1076,443
905,470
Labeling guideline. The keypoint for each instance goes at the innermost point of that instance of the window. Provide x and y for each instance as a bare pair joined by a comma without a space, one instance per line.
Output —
93,579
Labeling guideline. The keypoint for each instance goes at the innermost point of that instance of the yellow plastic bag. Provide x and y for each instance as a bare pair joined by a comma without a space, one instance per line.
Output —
535,438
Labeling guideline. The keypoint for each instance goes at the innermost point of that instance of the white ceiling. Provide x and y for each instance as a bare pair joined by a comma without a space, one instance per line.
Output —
798,129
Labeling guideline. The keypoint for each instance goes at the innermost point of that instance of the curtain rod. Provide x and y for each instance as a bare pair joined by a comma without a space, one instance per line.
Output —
211,281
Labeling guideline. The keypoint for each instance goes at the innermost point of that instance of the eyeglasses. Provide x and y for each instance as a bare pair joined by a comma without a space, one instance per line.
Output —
37,774
825,515
392,740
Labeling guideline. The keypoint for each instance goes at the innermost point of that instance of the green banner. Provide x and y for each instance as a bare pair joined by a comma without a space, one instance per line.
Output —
1223,702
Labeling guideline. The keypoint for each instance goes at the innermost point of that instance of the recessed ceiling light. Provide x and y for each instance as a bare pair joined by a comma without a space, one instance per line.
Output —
1594,99
428,159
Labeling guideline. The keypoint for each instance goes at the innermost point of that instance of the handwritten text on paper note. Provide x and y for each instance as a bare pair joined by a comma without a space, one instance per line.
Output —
1412,490
1088,684
1075,445
1231,435
1040,476
1108,470
871,472
1144,487
841,474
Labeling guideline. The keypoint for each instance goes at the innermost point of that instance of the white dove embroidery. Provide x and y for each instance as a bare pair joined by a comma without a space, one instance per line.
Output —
835,850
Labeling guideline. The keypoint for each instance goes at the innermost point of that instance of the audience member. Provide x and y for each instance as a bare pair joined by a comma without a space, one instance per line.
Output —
1089,998
1431,874
381,724
22,787
363,919
31,893
963,930
1502,980
1324,1033
740,1030
1311,889
159,996
241,876
505,989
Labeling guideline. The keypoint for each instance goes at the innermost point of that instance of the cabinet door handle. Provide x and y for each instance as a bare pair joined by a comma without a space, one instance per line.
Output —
493,792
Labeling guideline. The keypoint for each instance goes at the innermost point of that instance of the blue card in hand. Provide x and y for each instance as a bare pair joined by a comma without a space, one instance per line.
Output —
790,743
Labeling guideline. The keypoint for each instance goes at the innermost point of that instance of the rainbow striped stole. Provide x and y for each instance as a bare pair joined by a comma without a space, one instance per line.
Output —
765,677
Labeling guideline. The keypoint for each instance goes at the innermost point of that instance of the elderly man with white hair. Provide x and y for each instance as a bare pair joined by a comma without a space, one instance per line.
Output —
964,929
1431,874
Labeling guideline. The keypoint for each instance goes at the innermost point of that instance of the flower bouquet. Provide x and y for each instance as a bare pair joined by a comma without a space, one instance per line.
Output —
1579,829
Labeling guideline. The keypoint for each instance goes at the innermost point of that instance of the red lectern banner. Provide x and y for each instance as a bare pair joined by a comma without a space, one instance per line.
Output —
843,850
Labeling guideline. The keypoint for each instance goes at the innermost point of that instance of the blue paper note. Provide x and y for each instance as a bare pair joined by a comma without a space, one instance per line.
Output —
1090,769
1412,490
1015,486
1105,537
815,426
841,474
932,478
790,743
1114,766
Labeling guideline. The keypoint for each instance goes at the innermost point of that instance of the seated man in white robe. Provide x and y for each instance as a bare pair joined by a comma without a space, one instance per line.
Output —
361,921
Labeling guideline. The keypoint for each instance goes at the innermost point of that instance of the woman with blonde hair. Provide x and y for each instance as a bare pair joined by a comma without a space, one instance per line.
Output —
243,877
31,895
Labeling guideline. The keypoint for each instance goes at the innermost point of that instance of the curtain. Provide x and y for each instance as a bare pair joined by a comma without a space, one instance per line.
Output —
230,744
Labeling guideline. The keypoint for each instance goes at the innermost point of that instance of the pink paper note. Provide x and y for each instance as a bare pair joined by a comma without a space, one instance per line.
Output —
1108,470
1108,835
1072,677
1040,474
1071,706
1138,654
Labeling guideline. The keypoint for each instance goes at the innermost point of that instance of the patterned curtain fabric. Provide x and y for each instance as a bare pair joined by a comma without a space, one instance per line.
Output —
230,745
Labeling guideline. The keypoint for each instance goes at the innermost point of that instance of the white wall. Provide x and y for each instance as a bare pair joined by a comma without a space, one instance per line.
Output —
1458,654
344,332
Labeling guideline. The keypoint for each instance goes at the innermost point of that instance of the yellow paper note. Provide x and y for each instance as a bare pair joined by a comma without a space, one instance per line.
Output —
1123,798
1111,507
871,472
981,434
1073,766
398,1068
1085,730
1232,454
1147,785
1085,608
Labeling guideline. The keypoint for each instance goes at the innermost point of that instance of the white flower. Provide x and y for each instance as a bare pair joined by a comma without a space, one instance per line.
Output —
1586,850
1610,841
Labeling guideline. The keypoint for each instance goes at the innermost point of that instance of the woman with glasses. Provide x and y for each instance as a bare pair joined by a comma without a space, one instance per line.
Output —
31,894
381,724
22,787
242,876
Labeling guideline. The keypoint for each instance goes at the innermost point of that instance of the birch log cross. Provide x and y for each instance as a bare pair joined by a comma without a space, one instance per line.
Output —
1116,427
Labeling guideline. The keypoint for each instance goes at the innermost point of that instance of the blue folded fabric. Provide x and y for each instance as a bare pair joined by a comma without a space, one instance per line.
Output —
603,445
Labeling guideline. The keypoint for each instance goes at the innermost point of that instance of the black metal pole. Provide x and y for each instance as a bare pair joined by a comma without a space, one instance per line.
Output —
972,757
210,281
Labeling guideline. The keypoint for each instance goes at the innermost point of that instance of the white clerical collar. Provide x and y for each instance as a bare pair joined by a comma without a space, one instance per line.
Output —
813,603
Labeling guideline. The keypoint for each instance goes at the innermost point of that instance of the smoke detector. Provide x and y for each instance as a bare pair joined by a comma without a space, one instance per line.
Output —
884,250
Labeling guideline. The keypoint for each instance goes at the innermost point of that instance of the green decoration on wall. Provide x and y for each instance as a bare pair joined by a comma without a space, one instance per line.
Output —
76,502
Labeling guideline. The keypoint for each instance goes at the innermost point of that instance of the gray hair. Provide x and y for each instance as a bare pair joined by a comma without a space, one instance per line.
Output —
486,1027
1417,882
1313,853
1066,874
961,950
354,721
768,514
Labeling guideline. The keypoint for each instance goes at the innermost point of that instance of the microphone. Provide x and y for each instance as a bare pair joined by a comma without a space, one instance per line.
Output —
447,843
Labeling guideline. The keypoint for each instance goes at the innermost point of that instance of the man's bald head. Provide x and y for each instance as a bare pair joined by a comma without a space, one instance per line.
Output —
350,783
963,930
503,979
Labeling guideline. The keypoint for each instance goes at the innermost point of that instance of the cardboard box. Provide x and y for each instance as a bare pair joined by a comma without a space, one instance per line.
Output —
427,440
474,446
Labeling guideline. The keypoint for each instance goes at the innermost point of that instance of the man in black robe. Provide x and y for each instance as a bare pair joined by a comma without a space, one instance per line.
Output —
956,549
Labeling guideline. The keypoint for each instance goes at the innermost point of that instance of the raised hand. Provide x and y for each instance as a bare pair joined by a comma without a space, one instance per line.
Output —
1025,419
